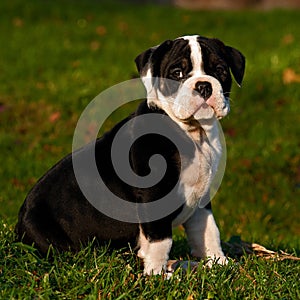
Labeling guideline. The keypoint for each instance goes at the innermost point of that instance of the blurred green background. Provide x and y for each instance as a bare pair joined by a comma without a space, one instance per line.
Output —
56,56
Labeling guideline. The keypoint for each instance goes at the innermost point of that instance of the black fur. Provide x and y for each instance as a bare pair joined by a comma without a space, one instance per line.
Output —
56,212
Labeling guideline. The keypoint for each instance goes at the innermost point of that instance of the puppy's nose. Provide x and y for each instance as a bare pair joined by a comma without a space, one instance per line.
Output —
204,88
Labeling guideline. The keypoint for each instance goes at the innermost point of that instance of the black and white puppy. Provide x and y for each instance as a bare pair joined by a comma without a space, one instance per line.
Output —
56,211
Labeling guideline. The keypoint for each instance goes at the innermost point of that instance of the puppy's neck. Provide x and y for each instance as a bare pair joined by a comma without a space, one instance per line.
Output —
206,135
199,131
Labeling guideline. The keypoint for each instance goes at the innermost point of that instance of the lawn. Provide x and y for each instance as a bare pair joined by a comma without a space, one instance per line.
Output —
56,56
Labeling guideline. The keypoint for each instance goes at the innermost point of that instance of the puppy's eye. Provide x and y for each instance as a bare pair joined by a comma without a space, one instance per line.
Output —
221,71
176,74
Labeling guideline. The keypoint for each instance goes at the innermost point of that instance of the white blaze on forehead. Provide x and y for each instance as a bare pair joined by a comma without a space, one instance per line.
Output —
196,55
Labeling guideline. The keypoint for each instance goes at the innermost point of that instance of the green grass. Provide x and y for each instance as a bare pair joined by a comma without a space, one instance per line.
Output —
56,56
102,274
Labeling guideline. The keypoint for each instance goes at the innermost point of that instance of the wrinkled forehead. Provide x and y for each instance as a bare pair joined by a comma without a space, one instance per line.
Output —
198,49
180,50
189,46
195,49
185,52
192,41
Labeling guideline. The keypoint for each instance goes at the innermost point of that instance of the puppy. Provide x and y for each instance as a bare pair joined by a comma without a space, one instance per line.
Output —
188,81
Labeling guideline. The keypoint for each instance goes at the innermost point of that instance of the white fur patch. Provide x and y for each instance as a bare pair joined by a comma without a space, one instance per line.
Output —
196,55
204,237
143,245
211,129
196,179
156,257
154,254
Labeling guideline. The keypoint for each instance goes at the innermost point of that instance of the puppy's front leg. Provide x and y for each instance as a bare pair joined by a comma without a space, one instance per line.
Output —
204,237
155,245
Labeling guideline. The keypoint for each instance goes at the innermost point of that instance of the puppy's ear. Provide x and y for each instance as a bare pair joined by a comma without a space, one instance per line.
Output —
161,50
236,63
153,54
142,59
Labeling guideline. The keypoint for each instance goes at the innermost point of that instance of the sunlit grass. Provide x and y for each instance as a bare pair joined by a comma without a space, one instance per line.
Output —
56,56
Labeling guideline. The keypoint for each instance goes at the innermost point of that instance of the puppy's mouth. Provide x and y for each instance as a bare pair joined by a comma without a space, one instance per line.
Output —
201,99
205,111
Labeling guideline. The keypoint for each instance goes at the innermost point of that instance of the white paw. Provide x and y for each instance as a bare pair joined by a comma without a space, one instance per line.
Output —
220,260
155,259
152,269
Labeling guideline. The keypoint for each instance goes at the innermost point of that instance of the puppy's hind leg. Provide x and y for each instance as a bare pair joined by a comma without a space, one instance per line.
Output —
37,226
30,234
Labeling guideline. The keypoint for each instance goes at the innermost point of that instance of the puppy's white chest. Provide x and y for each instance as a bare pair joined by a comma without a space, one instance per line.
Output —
198,174
195,179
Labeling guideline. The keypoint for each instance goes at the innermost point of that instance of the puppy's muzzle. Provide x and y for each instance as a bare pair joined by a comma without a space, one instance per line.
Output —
200,97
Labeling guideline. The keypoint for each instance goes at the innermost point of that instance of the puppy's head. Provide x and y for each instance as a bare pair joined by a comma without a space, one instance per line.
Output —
190,77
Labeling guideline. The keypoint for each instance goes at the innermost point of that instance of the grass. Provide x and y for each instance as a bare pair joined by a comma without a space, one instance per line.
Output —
103,274
56,56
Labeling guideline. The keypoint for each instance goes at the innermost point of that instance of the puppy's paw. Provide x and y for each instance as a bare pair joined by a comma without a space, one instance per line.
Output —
154,269
220,260
156,257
